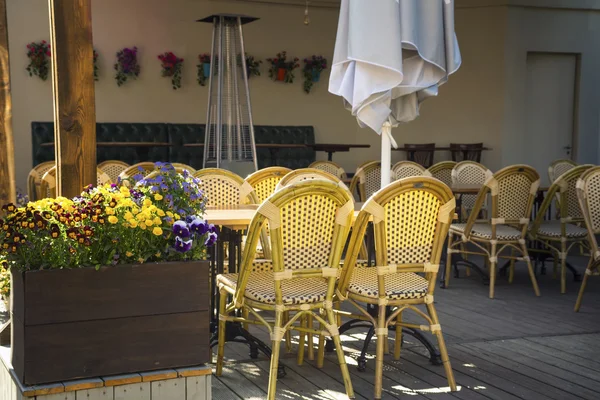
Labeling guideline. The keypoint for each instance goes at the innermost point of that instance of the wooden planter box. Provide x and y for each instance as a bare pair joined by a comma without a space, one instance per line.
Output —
82,323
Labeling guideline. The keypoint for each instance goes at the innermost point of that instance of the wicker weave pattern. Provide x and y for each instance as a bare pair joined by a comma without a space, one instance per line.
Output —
443,171
573,208
307,231
113,168
143,168
48,183
484,231
265,181
559,167
330,167
513,196
592,198
553,229
222,187
307,174
372,181
34,180
406,169
398,286
469,172
411,220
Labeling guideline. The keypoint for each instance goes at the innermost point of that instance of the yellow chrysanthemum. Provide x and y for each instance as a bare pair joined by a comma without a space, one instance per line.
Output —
125,191
113,220
158,254
158,197
129,254
160,213
133,223
149,222
157,221
142,225
169,214
140,217
135,210
157,231
110,211
177,217
141,260
128,215
147,202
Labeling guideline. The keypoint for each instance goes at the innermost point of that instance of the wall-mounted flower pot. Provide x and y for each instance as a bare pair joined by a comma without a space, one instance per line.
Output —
206,69
281,74
316,75
82,323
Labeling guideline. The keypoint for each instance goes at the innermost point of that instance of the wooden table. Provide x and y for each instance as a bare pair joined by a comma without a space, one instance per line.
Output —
122,144
331,148
436,148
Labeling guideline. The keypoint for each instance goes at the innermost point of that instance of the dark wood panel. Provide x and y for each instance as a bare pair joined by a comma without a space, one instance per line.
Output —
66,351
84,294
7,150
73,90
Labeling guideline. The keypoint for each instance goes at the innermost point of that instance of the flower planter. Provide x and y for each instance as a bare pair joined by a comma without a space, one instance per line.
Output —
82,323
206,69
281,72
316,75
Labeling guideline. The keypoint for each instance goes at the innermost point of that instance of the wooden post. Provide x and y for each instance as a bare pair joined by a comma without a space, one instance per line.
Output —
8,191
73,91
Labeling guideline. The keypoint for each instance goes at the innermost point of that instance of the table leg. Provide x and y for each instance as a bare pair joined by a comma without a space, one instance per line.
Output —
330,156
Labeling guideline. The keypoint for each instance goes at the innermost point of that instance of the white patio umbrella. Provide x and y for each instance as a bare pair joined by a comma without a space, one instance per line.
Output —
391,55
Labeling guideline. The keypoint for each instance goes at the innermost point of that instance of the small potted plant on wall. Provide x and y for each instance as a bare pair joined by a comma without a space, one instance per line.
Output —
127,66
203,68
92,274
171,67
312,71
252,66
38,53
281,69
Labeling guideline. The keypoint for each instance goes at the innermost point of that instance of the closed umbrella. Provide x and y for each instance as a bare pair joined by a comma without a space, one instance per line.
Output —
390,56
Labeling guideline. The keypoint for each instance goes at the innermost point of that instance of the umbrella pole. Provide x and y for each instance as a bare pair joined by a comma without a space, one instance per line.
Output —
386,154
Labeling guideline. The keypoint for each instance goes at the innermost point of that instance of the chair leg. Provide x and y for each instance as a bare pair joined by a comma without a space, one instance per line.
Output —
536,288
321,348
381,338
442,345
245,315
288,333
511,268
398,340
583,284
563,267
492,270
448,267
301,339
222,327
340,353
311,347
275,348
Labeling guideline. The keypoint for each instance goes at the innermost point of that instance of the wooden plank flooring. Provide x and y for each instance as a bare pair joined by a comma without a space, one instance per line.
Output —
517,346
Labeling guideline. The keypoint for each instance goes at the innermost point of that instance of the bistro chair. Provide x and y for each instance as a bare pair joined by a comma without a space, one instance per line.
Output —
559,236
466,151
34,180
513,190
308,174
411,218
420,153
443,171
143,168
470,173
366,180
179,167
224,188
309,223
588,194
113,168
331,167
559,167
406,169
48,184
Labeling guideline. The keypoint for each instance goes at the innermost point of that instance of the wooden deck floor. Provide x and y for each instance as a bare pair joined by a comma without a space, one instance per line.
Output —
515,346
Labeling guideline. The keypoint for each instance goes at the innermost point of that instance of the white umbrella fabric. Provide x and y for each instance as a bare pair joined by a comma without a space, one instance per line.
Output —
390,56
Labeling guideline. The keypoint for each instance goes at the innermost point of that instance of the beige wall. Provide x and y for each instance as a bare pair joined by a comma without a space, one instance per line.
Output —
474,106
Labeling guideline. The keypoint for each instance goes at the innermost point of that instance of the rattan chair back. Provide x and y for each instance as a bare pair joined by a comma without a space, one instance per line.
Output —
34,180
559,167
48,184
308,174
366,180
179,167
406,169
113,168
143,168
513,190
224,188
472,173
588,193
264,181
331,167
443,171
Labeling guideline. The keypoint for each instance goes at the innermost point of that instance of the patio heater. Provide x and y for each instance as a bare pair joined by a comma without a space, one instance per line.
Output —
229,135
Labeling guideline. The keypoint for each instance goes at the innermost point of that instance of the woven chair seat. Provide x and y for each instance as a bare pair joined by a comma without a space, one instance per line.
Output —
403,285
553,229
484,231
260,288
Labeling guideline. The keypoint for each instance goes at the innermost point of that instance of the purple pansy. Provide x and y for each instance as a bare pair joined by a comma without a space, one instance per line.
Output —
199,226
211,239
181,245
181,229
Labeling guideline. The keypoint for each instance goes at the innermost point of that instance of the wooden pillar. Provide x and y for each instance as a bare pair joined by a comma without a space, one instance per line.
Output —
8,191
73,91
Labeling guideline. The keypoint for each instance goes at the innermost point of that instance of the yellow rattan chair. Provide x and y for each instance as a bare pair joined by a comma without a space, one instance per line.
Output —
407,169
559,167
224,188
143,168
264,181
366,180
513,190
559,236
443,171
309,223
588,193
472,173
308,174
331,167
48,185
34,180
113,168
411,218
179,167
